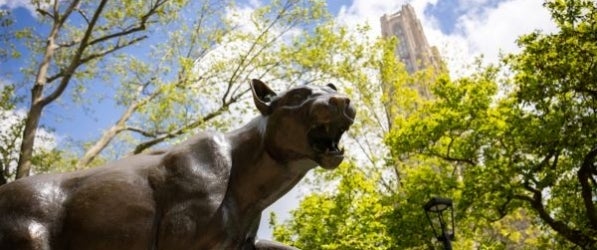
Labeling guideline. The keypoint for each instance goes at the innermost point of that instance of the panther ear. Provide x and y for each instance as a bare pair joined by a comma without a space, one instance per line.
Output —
332,86
262,96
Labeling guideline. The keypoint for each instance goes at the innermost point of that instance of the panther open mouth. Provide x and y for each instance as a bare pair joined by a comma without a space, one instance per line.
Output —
324,139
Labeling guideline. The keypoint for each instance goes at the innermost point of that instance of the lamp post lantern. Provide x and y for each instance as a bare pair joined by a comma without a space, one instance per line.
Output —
434,210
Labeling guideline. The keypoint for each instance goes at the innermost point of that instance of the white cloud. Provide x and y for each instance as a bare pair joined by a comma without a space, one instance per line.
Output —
498,28
11,123
13,4
11,129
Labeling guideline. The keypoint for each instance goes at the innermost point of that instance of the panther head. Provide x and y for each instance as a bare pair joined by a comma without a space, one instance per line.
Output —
305,122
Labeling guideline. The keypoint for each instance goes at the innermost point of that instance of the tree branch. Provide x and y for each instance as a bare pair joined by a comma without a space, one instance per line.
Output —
584,174
142,132
54,77
68,44
45,13
141,26
454,159
83,15
536,202
108,51
67,13
75,62
241,65
147,144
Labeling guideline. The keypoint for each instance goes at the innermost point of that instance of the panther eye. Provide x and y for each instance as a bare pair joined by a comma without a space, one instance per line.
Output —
297,97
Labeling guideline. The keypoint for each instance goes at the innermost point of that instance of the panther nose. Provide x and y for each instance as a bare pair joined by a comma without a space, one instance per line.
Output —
339,101
343,106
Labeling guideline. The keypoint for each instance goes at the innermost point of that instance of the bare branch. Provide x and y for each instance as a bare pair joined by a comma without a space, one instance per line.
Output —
115,48
73,5
142,132
147,144
83,15
241,65
54,77
44,13
139,27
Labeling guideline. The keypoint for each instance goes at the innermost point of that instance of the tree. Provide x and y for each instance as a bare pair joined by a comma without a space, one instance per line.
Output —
533,148
71,50
353,216
6,34
397,189
10,131
517,154
355,206
198,77
556,81
194,78
432,140
448,147
45,152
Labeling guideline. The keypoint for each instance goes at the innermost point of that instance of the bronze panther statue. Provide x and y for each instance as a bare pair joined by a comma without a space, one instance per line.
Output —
206,193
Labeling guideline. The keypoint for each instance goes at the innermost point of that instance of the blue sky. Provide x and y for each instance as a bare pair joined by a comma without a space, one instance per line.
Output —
68,121
461,29
88,123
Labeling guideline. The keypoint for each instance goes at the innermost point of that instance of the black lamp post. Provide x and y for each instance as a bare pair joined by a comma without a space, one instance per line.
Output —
445,230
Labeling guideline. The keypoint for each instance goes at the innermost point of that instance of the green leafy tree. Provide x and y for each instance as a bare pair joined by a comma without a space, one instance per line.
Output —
528,151
448,147
555,97
354,207
71,49
432,125
45,153
352,216
6,35
517,156
198,78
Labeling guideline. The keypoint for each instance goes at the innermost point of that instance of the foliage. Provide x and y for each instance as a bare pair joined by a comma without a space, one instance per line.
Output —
356,202
188,71
516,153
351,217
530,147
79,34
45,153
6,34
198,78
556,83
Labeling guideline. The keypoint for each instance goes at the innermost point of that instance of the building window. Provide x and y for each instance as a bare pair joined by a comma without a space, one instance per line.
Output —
402,49
398,30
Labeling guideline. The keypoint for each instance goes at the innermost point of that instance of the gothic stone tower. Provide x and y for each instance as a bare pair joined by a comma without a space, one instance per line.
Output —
412,49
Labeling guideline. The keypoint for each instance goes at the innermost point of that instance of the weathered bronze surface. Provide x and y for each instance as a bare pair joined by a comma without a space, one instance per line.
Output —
206,193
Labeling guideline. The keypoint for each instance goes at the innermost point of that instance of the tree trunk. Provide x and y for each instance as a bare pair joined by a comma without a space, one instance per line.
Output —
34,114
94,150
26,152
